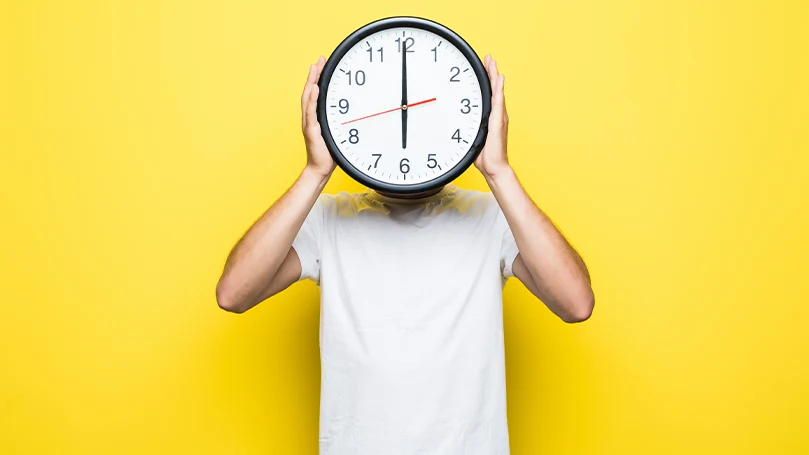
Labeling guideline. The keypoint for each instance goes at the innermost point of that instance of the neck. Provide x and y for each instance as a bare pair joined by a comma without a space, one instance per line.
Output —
412,196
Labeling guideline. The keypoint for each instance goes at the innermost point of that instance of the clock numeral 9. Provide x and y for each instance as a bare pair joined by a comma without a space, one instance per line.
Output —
431,162
353,136
457,72
357,79
343,106
466,108
408,43
404,165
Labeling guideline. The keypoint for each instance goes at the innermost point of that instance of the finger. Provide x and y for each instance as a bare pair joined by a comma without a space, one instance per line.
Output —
306,88
311,107
321,62
498,99
492,71
486,61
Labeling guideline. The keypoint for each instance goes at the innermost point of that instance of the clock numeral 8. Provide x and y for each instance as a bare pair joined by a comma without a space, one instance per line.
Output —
353,136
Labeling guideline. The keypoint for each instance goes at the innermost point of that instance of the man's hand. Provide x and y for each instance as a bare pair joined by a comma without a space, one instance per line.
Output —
318,158
493,159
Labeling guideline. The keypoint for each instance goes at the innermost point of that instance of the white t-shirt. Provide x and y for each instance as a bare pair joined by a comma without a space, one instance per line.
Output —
411,328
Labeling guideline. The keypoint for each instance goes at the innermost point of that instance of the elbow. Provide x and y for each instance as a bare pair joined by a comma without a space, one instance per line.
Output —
581,309
226,298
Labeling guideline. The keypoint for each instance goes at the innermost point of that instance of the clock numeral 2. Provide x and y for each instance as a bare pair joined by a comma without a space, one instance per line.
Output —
457,72
357,79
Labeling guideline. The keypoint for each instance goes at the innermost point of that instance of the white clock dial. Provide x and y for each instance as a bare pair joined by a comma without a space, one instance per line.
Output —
442,110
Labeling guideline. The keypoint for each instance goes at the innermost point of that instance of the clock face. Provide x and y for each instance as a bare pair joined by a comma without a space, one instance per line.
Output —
404,107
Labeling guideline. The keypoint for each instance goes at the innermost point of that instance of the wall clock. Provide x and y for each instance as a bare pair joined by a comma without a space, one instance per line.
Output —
404,104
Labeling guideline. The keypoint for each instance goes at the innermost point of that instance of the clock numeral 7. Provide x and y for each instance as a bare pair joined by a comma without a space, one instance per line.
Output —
377,155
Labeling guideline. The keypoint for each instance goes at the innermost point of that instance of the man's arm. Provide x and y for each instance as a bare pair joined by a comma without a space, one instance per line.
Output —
547,264
263,262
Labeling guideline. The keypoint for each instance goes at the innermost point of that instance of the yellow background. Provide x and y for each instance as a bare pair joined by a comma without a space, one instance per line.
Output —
140,139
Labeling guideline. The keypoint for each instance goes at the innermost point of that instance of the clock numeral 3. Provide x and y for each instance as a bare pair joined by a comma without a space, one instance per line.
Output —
404,165
457,72
353,136
466,108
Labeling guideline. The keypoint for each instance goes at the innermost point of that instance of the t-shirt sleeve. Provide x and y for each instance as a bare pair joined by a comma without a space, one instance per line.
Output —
307,242
508,246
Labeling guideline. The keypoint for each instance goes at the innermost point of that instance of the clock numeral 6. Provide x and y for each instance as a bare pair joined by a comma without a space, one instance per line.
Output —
431,162
353,136
357,79
404,166
457,72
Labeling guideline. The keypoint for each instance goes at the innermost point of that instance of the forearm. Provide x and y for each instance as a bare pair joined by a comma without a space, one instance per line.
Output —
257,257
559,274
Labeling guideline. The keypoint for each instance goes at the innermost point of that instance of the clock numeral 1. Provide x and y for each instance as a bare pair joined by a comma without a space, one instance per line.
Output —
457,135
404,166
435,53
377,155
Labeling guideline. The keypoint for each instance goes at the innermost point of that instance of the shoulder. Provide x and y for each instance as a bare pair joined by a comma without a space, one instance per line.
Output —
474,202
332,204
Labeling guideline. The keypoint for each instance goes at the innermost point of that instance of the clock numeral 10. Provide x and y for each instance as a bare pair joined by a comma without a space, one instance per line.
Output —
359,80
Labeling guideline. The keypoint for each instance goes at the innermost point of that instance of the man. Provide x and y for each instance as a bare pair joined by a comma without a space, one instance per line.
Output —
411,332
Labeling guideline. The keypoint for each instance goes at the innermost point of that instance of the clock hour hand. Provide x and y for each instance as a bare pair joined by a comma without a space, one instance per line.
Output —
403,49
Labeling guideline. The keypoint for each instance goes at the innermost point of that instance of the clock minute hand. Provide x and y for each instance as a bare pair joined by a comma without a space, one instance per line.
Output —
404,94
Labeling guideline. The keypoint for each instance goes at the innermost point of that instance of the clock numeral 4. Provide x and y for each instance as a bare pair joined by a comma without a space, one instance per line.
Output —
457,135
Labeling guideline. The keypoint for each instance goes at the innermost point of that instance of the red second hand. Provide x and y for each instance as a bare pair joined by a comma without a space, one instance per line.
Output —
389,111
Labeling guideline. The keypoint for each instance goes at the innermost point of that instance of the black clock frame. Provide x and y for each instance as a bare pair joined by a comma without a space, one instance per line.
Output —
445,33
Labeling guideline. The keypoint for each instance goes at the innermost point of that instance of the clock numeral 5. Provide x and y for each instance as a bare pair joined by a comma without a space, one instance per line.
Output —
431,162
